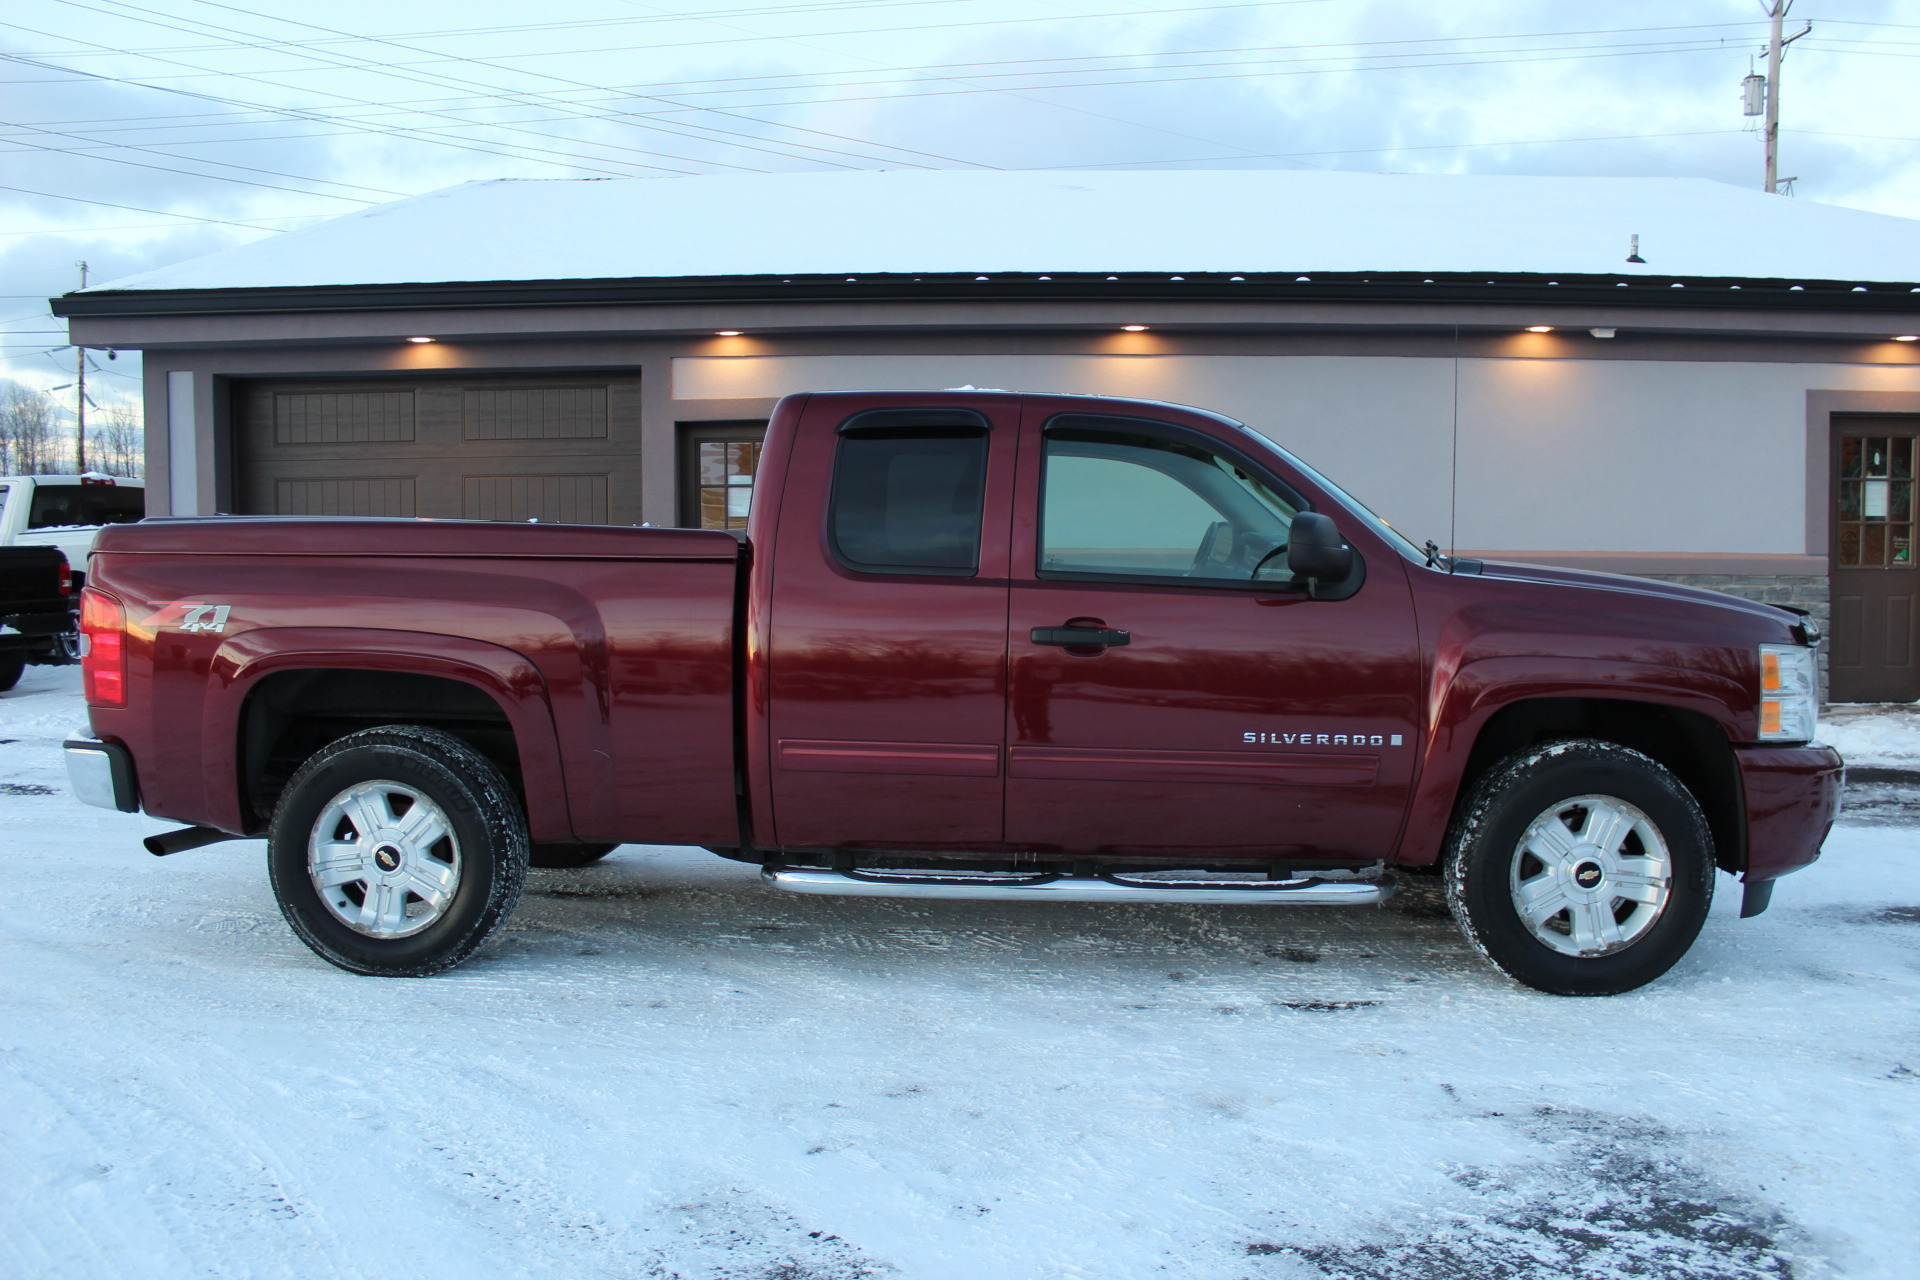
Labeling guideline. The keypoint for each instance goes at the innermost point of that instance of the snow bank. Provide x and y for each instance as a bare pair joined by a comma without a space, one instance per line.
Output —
1889,738
667,1070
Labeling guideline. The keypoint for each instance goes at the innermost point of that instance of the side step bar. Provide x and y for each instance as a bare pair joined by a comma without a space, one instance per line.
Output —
1117,889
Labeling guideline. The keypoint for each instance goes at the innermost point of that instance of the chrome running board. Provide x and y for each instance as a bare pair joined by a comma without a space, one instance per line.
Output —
1306,892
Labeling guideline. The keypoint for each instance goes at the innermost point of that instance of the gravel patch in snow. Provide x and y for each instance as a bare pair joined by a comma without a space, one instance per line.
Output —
668,1070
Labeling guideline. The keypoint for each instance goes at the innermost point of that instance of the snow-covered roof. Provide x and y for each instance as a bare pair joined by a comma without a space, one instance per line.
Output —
990,221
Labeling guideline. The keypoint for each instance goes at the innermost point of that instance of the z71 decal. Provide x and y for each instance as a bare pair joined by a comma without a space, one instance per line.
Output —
195,616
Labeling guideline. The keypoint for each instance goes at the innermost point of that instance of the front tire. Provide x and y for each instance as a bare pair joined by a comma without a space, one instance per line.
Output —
12,666
1580,868
397,852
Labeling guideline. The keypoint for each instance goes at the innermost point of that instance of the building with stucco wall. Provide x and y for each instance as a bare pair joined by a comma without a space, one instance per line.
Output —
607,351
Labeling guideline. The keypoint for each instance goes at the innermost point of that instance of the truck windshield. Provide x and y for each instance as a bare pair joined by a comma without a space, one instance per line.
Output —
58,506
1359,510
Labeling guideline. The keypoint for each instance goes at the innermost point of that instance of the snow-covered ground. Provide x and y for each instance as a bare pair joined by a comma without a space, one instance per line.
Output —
667,1070
1880,737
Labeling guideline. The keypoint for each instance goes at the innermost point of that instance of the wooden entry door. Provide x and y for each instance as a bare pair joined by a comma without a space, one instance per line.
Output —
1876,586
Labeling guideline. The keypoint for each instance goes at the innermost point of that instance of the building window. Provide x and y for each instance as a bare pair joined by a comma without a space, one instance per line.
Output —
718,463
1876,501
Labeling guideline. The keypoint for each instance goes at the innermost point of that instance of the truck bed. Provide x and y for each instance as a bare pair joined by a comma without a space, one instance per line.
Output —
606,654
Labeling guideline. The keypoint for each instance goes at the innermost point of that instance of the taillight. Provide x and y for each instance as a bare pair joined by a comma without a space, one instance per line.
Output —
103,665
66,577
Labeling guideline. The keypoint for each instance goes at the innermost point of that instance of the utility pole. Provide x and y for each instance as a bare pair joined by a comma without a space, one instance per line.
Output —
79,402
1775,47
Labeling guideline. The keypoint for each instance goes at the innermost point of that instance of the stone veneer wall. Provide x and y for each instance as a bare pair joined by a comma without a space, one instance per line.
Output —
1802,591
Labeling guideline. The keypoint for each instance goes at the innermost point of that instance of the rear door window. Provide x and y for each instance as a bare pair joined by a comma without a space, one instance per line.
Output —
58,506
909,499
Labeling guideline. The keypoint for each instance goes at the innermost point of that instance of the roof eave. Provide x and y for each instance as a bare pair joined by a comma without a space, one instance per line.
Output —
1386,287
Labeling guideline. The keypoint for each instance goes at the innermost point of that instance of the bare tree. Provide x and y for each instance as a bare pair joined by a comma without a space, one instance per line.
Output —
117,443
27,440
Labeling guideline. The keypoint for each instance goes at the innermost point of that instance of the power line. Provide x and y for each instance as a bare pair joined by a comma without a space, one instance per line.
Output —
313,115
682,86
387,69
366,65
694,19
161,168
164,213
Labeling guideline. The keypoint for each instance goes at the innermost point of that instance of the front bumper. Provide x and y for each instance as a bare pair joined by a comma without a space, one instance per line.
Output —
101,773
1793,795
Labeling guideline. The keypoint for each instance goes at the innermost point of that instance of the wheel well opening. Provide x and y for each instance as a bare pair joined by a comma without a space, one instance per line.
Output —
1689,744
292,714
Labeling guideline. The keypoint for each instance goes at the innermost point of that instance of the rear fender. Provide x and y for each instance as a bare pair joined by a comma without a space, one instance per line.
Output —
1481,689
505,676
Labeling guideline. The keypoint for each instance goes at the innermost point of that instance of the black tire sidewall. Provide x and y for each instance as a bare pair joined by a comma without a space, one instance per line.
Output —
12,666
490,835
1518,791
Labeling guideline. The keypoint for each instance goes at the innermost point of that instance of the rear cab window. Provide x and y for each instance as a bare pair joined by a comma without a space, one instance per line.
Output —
909,491
59,506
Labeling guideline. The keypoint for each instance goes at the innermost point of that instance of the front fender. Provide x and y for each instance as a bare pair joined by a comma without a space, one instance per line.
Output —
1480,689
505,676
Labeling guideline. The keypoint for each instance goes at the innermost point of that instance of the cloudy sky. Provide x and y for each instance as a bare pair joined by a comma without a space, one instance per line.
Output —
141,134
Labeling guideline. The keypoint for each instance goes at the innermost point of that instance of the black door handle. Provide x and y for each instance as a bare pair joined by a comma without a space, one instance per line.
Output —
1081,637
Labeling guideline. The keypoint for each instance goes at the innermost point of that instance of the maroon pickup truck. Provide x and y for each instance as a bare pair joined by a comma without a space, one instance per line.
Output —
973,645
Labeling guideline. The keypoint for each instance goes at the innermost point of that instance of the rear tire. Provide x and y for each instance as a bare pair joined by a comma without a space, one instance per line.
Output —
569,855
397,852
1580,868
12,666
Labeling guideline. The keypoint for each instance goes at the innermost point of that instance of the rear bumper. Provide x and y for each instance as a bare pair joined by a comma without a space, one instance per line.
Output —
1793,795
101,773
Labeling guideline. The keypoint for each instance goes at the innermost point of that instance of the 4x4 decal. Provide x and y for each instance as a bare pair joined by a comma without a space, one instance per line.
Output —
196,616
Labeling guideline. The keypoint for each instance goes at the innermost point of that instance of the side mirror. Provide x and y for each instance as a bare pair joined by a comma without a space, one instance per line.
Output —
1316,551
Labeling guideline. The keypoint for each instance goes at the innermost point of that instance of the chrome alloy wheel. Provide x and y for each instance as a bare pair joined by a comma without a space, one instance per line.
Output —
384,859
1591,876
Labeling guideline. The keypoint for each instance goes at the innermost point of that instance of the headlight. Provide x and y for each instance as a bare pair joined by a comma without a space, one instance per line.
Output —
1789,693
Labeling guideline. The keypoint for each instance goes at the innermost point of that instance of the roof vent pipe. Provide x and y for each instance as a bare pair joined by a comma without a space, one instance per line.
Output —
1633,254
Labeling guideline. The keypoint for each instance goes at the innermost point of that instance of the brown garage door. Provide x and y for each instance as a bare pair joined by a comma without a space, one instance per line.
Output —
553,449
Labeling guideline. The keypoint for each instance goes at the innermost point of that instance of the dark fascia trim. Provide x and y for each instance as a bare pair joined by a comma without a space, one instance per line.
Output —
1667,292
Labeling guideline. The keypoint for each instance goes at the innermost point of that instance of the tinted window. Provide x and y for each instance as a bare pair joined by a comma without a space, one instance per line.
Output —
55,505
908,499
1131,503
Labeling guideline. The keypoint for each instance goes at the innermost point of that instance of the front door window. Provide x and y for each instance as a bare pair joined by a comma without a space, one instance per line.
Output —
1126,503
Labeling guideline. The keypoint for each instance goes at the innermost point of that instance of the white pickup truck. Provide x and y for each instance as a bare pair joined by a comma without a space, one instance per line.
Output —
67,512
